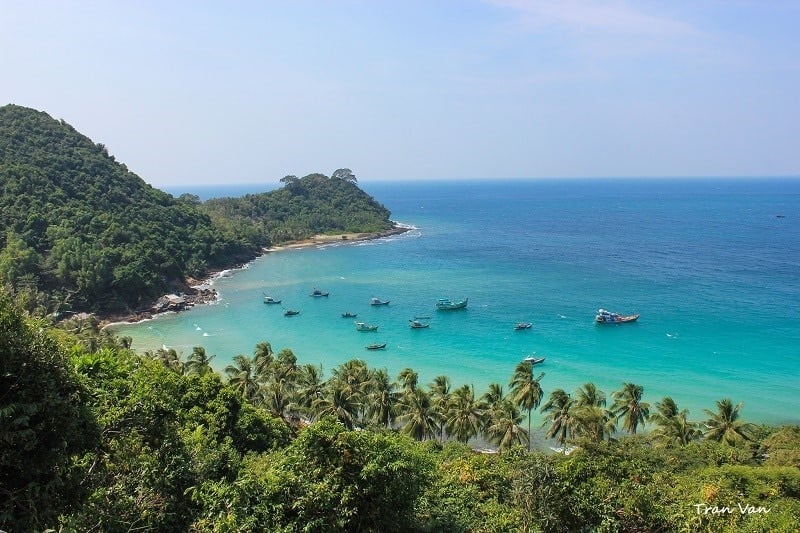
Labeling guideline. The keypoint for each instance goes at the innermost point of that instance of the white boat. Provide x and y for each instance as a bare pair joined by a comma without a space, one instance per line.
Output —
416,324
362,326
270,300
378,301
534,360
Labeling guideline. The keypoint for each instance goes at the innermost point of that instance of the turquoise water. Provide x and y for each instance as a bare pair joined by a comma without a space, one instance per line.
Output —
710,266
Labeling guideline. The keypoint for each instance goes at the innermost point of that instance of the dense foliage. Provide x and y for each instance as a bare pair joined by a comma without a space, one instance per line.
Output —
303,207
83,233
96,438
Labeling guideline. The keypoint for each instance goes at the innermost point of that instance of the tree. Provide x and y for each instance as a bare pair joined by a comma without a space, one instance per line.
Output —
590,416
628,405
672,426
440,398
340,401
198,362
344,174
526,392
44,422
464,414
558,411
383,398
725,425
242,377
505,430
417,415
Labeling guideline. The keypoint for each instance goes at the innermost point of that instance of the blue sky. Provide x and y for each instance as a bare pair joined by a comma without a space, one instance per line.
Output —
194,92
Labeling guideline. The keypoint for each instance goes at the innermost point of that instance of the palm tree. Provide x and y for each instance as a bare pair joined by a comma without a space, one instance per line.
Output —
383,398
340,402
505,430
241,376
309,387
440,398
169,358
464,414
493,397
590,416
408,379
354,375
558,411
628,404
672,426
724,425
526,392
263,358
277,396
198,362
417,415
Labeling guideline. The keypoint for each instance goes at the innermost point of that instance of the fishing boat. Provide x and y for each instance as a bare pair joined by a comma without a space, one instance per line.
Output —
348,314
378,301
270,300
361,326
376,346
534,360
290,312
416,324
607,317
446,304
523,325
317,293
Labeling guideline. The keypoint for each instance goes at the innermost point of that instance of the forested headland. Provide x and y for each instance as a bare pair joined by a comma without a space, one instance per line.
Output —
84,233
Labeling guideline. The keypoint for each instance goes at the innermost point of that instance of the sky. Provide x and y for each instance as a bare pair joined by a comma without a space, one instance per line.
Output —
242,92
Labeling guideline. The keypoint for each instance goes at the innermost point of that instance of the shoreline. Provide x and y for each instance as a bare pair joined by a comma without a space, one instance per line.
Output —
201,292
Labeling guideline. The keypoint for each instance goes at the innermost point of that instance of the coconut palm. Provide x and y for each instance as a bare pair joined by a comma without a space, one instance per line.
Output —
629,406
198,362
440,399
725,425
464,414
526,392
590,416
169,358
263,358
277,396
354,374
241,376
417,415
383,398
339,401
408,379
493,397
505,430
558,412
309,386
672,425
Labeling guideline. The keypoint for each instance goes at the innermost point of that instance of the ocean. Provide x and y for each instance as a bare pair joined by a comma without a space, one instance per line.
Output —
711,265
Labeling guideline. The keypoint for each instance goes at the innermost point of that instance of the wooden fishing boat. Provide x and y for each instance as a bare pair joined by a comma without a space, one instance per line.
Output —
445,304
607,317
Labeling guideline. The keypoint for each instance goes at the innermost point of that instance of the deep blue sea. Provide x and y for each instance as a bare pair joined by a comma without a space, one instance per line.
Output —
712,266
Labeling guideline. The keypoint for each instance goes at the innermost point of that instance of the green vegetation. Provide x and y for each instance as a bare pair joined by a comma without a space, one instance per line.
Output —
95,437
83,233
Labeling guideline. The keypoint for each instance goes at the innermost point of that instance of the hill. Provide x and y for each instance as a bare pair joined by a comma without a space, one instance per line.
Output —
83,233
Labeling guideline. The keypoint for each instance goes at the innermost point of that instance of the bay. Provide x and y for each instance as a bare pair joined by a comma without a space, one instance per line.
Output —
710,264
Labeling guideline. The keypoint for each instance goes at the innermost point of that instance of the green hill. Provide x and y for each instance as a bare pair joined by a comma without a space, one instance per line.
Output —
83,233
